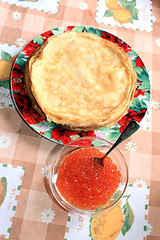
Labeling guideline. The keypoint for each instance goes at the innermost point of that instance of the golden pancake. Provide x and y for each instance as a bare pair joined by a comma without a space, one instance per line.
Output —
80,81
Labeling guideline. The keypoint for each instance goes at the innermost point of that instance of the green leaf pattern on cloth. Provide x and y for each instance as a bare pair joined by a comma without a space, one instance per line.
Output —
117,194
4,180
108,13
4,84
5,56
125,3
128,218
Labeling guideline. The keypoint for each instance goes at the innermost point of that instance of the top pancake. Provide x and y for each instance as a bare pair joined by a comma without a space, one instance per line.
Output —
80,80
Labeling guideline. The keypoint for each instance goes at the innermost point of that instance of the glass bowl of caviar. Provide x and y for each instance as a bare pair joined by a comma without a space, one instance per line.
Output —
81,184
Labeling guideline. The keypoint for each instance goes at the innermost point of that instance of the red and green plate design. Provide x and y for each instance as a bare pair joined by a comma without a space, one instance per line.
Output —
56,133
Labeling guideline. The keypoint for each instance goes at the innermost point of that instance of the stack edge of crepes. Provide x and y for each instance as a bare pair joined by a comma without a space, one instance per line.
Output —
80,81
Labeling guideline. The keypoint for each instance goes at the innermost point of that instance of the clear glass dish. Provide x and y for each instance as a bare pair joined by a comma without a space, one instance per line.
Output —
57,157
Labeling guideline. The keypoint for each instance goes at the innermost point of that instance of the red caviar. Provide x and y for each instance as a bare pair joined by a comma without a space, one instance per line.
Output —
83,182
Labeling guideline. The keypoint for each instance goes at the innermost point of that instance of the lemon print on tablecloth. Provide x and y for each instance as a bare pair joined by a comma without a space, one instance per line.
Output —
6,63
122,15
109,225
112,4
102,227
122,11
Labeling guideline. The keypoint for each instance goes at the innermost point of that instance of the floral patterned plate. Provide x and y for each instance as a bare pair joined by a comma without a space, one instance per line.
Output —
56,133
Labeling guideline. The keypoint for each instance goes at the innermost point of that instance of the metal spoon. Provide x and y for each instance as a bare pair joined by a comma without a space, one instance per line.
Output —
131,128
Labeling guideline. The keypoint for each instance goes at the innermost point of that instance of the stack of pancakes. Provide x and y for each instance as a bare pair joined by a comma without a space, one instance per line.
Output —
80,81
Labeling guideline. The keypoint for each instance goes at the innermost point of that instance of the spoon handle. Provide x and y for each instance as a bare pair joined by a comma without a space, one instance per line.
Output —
131,128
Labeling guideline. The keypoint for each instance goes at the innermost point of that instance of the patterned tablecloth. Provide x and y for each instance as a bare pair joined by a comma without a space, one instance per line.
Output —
26,209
